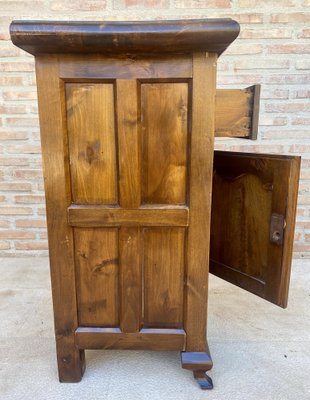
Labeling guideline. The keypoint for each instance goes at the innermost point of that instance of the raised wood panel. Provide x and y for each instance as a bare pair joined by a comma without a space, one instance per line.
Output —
164,126
145,339
163,272
91,131
97,275
245,202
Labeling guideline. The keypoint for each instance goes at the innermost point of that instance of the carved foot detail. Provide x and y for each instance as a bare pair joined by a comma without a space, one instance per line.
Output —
204,381
199,363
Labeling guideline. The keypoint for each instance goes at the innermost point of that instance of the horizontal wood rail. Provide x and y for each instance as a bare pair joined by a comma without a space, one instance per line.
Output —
145,339
99,216
236,112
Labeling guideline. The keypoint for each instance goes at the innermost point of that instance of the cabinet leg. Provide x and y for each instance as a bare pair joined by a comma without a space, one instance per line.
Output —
70,359
199,363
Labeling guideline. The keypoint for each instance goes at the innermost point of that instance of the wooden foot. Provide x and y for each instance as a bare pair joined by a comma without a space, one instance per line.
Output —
71,361
204,381
199,363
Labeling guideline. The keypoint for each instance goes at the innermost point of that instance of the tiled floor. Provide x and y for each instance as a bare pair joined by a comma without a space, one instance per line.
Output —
259,350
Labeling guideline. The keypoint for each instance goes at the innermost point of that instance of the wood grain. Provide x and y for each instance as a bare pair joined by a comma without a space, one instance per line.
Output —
236,112
97,216
145,339
97,274
130,279
129,143
51,97
91,131
175,36
201,168
164,142
163,272
247,190
124,67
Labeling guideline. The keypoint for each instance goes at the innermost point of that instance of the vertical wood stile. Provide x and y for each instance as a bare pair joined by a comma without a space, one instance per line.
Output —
130,197
58,196
200,183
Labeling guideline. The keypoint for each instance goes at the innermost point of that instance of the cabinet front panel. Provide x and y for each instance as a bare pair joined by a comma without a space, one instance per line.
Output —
91,131
163,271
96,258
164,123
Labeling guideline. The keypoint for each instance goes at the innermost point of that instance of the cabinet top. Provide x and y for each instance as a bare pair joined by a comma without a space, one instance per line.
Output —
178,36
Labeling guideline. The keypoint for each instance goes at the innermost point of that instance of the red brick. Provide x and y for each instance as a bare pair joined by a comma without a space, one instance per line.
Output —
24,122
30,223
202,3
80,5
43,235
289,49
140,4
8,51
301,121
287,107
304,33
287,79
11,81
262,64
17,66
12,186
285,134
31,245
41,211
267,120
27,174
252,18
290,17
4,223
12,109
301,94
300,148
244,49
13,135
265,33
20,95
275,94
15,210
21,5
263,3
24,149
4,245
12,161
30,199
16,235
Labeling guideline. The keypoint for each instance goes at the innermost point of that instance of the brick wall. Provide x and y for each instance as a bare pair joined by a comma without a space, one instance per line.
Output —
273,49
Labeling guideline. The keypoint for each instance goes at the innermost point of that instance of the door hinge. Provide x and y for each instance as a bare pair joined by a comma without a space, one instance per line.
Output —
277,225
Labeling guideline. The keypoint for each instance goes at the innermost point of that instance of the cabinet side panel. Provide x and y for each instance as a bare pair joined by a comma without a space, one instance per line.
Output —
200,177
96,255
91,131
52,111
164,126
163,261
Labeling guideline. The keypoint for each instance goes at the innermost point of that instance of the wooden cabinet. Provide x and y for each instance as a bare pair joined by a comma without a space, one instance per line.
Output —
128,115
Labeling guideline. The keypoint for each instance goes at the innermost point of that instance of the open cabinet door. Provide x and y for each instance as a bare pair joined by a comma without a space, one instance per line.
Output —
253,218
